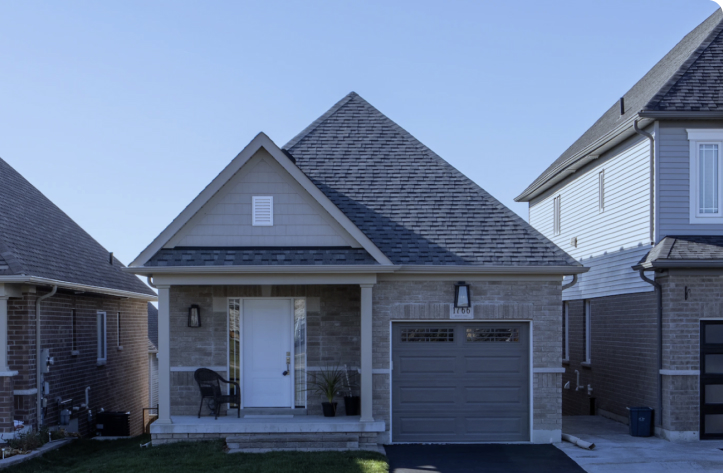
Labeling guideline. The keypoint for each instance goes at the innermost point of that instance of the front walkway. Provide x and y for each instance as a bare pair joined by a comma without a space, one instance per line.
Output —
616,451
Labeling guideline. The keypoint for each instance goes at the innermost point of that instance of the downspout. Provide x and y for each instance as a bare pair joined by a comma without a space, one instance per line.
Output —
652,178
571,283
659,293
38,373
150,281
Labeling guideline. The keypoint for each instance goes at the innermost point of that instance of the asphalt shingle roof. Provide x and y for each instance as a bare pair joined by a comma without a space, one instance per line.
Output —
259,256
38,239
688,78
414,206
688,248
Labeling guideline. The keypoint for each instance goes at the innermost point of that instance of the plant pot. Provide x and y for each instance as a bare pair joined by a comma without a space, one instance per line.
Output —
352,405
329,409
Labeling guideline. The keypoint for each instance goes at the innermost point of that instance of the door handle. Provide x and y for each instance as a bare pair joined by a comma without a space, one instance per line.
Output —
288,364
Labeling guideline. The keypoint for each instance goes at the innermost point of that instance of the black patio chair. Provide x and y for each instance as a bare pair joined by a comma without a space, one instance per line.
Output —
209,382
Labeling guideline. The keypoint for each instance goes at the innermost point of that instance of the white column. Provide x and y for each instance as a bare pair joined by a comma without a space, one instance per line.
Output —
164,358
366,353
4,334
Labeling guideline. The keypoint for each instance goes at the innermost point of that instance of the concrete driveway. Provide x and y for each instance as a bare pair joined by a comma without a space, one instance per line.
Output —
617,452
479,459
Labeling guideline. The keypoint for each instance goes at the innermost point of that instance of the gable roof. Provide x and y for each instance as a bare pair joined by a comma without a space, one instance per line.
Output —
688,78
685,252
37,239
224,177
414,206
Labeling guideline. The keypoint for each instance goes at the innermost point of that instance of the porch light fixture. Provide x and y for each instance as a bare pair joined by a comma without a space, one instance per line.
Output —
194,316
461,295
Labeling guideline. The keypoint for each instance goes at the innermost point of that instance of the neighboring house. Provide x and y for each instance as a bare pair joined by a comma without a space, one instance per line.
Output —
93,318
640,205
152,356
345,248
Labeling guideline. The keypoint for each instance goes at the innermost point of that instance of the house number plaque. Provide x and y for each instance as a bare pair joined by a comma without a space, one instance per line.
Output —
461,312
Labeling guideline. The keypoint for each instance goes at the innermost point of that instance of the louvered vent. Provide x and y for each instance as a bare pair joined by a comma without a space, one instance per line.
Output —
263,211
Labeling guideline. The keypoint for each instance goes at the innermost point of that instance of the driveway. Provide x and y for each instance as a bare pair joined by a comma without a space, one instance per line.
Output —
616,451
479,459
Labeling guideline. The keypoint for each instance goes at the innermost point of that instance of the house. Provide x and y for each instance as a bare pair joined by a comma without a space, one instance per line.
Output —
637,199
152,356
346,248
91,339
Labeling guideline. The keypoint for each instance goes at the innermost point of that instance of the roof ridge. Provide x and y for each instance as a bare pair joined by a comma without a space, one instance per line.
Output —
474,186
303,133
687,64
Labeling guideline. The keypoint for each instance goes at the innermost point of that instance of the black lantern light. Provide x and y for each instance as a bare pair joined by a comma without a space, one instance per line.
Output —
461,295
194,316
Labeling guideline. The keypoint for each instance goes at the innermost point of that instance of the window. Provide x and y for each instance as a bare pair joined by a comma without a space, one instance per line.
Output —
102,348
706,180
74,325
565,331
493,335
428,334
556,215
586,330
263,211
120,344
601,191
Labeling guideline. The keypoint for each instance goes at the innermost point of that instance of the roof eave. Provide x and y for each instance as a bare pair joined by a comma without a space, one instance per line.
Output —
77,287
686,115
673,264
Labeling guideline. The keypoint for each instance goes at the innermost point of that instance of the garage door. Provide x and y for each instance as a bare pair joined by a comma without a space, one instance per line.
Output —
460,382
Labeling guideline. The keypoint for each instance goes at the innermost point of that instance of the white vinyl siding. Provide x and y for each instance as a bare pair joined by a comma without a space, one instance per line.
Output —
675,206
608,242
102,340
263,211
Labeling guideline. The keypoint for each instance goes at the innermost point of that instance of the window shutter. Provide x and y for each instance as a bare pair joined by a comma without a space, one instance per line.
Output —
263,211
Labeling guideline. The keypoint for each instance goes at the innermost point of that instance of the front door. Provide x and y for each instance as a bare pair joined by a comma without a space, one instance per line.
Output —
267,329
711,380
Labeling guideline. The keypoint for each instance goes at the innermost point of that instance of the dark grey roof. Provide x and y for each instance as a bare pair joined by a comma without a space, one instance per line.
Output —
414,206
687,78
153,325
38,239
259,256
685,250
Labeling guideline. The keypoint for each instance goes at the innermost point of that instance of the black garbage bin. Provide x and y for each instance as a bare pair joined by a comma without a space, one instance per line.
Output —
641,421
113,424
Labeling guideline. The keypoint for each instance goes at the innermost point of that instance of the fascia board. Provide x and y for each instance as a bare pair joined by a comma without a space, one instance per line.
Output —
671,264
76,287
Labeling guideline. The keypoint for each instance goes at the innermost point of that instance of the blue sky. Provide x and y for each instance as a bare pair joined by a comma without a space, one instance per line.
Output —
121,111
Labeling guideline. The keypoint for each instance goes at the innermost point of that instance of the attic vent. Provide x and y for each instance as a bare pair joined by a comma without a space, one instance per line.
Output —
263,211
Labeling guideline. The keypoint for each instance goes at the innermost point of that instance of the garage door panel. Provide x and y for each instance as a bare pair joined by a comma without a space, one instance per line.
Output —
466,391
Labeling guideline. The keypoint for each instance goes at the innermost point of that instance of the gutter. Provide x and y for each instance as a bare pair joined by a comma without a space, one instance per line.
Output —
680,263
38,361
680,115
358,269
651,139
76,287
659,294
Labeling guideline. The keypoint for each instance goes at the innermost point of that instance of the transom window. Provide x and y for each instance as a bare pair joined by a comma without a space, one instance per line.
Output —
428,334
706,179
493,334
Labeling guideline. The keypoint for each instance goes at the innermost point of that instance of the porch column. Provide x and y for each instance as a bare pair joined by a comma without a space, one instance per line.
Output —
366,353
164,358
4,368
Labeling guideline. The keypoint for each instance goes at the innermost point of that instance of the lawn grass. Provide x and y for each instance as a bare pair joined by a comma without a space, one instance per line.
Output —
116,456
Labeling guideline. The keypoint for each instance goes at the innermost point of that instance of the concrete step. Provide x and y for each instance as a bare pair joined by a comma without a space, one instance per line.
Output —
267,411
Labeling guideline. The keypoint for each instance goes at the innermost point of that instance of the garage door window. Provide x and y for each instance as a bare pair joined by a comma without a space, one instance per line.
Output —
493,335
428,334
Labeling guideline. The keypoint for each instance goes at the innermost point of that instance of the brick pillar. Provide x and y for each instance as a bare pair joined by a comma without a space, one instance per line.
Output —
7,408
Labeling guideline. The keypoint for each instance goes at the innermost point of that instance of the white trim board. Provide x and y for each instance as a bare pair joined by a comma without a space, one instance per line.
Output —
260,141
680,372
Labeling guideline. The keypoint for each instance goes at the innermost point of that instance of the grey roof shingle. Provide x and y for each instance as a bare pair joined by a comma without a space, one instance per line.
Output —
38,239
688,78
685,248
414,206
260,256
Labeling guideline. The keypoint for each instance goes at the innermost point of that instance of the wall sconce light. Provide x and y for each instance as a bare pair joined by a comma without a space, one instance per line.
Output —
194,316
461,295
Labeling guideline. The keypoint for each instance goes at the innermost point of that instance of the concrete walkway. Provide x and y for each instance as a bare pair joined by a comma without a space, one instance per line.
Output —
617,452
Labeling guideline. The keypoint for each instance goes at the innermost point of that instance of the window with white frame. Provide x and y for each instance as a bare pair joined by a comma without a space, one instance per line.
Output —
586,331
102,346
556,215
601,191
262,211
565,331
706,176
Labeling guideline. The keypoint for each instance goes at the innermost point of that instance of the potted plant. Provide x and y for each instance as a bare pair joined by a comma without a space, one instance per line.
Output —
328,382
352,403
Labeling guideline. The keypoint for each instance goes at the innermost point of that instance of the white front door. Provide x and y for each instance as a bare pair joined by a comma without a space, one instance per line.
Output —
267,343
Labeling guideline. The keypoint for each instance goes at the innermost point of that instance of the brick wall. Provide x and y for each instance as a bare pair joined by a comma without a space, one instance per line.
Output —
623,372
120,385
